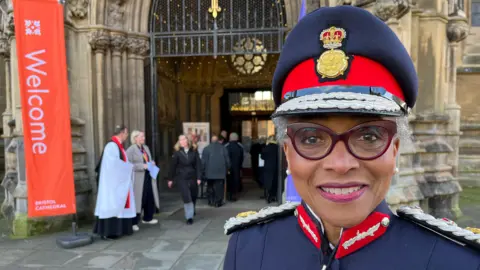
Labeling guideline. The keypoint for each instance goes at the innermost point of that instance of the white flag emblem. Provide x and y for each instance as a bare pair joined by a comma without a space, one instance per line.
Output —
32,28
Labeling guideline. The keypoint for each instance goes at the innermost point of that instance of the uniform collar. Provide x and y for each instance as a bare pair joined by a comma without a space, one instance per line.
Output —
354,238
320,222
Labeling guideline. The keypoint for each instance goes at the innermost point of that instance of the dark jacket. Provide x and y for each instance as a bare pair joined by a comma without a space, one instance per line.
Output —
270,168
185,169
216,161
288,244
235,153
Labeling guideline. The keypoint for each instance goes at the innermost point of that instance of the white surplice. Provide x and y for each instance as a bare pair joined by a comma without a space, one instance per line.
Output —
115,182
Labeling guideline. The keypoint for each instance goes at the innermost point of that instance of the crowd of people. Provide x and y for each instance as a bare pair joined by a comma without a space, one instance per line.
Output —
220,163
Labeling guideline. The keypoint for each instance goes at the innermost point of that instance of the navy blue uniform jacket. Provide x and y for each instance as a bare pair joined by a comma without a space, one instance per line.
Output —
404,245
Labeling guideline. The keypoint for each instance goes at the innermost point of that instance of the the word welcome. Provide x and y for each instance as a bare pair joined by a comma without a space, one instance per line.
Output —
35,102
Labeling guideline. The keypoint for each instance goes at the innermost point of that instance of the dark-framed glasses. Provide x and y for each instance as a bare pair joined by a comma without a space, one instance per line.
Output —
366,141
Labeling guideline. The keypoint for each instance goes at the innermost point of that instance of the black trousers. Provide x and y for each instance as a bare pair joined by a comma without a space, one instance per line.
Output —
215,190
148,201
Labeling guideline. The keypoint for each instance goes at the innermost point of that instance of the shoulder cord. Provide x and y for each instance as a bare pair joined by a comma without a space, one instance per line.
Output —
440,223
267,211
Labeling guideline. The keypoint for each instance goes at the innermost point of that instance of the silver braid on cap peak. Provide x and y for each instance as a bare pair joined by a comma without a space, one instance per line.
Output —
440,226
340,100
263,215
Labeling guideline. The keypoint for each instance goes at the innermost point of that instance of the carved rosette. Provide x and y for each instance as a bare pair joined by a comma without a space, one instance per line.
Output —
457,29
118,42
99,40
386,9
138,46
77,9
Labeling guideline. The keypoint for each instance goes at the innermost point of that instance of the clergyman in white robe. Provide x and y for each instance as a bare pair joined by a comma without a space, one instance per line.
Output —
115,207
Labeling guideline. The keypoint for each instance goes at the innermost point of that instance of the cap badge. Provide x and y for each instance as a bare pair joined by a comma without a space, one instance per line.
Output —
333,62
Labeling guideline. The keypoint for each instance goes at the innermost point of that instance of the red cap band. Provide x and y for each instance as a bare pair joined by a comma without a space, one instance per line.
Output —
362,72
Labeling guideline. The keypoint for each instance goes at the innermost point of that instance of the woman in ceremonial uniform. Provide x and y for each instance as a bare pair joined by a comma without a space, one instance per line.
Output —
343,87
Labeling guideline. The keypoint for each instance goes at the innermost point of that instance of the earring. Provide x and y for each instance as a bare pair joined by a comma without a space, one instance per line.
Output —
396,170
288,172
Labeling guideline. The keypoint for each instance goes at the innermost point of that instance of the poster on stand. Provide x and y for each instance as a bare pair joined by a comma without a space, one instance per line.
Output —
199,133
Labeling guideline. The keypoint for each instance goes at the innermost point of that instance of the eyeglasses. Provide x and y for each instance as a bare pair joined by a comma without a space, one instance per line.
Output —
366,141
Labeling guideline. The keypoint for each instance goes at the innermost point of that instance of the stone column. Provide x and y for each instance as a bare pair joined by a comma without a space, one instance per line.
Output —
125,112
9,182
215,125
99,41
142,51
132,49
208,108
457,30
137,48
118,42
7,114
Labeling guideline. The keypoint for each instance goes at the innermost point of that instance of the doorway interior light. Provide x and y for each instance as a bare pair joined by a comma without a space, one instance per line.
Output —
263,95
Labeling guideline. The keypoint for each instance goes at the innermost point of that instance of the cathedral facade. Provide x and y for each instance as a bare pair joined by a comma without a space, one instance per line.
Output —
154,64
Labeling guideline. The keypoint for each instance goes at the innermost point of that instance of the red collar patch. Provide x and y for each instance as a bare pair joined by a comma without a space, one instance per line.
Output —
308,226
353,239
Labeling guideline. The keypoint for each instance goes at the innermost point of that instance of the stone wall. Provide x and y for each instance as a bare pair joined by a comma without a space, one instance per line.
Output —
469,159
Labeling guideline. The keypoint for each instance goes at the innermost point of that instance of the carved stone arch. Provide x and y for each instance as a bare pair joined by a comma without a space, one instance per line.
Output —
98,12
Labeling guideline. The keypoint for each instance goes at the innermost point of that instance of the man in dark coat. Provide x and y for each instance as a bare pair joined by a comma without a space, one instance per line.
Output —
255,152
216,164
270,170
235,153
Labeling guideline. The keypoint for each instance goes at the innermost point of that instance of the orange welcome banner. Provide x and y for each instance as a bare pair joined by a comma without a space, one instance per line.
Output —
42,69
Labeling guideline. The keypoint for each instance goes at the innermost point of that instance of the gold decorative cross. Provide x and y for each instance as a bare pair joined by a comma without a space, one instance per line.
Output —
214,9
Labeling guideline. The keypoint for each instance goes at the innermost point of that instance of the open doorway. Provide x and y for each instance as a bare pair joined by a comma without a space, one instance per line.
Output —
247,112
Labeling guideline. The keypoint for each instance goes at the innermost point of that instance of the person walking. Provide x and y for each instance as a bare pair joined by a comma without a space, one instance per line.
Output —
186,172
144,187
216,164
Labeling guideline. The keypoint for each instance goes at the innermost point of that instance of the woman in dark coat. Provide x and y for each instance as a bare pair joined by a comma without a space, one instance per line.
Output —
186,172
270,170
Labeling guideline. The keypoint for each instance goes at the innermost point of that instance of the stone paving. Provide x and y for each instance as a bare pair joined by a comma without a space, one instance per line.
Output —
169,245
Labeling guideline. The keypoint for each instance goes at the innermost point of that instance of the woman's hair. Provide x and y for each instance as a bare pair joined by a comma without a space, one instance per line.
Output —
189,141
119,129
403,129
134,135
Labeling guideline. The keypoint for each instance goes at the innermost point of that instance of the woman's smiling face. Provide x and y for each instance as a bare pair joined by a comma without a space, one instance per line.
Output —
343,187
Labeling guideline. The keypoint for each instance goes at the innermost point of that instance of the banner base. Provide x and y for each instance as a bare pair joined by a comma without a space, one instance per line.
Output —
76,239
